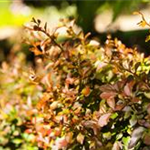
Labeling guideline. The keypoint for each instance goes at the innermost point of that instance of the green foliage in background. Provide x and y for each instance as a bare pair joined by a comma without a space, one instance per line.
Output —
9,18
14,13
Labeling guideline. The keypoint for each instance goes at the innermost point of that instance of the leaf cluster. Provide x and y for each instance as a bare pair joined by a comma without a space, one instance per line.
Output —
79,95
95,97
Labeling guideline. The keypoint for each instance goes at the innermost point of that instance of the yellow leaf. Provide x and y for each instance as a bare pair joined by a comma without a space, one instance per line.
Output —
54,105
136,13
142,23
69,137
80,138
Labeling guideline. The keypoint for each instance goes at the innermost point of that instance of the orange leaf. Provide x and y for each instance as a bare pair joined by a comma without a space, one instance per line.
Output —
61,143
86,91
119,107
104,119
69,137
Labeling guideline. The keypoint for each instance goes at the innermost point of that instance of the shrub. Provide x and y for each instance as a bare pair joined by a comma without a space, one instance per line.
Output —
95,97
80,94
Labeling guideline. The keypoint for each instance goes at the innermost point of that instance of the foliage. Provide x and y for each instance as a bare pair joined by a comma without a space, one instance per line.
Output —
87,10
18,97
95,97
79,95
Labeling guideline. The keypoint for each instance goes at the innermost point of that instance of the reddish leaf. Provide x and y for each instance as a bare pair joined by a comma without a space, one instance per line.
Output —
28,131
147,139
117,146
148,109
108,95
119,107
111,103
135,100
107,88
91,124
104,119
128,89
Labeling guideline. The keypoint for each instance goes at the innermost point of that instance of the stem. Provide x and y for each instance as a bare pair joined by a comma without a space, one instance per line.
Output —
53,40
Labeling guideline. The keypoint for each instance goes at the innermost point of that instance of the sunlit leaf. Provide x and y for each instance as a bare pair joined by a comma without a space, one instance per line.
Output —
54,105
111,102
142,23
80,138
86,91
104,119
147,38
117,146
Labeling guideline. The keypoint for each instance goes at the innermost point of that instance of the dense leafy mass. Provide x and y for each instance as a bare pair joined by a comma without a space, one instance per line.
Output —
80,95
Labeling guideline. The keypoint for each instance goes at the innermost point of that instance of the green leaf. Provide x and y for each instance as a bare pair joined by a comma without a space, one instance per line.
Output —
125,141
114,115
17,141
147,38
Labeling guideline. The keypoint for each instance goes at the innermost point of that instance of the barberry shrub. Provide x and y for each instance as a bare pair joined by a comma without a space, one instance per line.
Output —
95,96
79,95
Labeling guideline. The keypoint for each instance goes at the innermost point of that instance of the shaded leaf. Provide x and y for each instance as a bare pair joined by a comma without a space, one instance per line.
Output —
133,120
148,109
33,20
147,139
136,135
38,21
45,26
107,88
137,65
